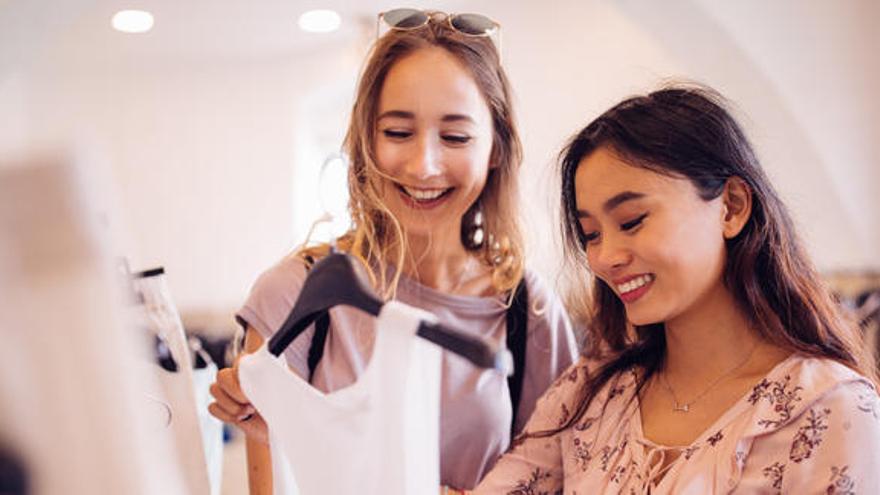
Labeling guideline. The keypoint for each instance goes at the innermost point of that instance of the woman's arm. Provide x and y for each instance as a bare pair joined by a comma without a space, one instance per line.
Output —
232,406
259,460
534,463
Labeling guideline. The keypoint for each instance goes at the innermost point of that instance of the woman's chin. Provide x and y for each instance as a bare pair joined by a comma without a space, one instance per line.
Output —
641,319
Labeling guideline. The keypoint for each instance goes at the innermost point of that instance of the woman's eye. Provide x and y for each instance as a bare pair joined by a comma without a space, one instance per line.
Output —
590,237
633,223
394,134
456,138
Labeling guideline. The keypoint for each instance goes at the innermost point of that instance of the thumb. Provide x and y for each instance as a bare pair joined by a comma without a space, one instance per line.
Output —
228,377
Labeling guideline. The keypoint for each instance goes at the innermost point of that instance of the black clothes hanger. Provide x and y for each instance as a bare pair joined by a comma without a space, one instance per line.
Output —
200,356
337,280
162,352
163,355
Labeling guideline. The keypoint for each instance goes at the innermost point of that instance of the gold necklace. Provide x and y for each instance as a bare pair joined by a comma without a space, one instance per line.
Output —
684,407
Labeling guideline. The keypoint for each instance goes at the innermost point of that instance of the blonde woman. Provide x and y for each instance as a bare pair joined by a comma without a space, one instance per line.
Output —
434,154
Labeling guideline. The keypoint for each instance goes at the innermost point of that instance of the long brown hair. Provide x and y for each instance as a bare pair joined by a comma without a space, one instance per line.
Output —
376,236
685,131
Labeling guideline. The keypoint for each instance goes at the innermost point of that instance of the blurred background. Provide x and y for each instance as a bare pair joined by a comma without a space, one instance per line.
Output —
215,124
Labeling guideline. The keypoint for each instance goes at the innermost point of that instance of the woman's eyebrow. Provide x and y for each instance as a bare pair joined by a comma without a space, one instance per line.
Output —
614,202
403,114
456,117
398,114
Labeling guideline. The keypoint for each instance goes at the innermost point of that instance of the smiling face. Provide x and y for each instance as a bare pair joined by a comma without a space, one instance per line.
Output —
649,237
433,141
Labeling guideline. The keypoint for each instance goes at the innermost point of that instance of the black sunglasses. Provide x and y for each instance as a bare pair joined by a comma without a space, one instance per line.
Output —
467,24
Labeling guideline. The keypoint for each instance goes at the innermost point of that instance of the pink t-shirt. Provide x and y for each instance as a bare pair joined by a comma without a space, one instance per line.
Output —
475,407
810,426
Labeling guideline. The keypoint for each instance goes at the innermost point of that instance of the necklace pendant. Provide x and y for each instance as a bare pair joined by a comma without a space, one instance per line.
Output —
681,408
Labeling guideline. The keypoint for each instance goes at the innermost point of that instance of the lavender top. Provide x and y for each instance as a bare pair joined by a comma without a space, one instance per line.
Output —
475,404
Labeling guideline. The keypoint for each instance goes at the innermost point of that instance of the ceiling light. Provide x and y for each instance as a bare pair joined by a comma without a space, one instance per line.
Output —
133,21
320,21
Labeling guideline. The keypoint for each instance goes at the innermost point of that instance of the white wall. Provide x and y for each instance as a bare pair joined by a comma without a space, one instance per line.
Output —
800,75
215,162
217,152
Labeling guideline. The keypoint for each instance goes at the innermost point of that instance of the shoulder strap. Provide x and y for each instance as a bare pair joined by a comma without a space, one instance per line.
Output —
319,339
517,330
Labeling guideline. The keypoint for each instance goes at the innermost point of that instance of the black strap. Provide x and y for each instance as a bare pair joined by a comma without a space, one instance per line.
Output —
319,339
316,349
517,330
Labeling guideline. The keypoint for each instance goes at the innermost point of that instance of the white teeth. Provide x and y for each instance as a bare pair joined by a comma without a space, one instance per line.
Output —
634,284
424,194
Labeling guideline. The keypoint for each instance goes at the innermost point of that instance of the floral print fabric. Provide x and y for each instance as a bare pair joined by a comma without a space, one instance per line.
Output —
810,426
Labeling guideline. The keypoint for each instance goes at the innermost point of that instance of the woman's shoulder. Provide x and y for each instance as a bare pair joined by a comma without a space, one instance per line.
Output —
273,294
816,426
804,385
549,324
584,369
544,303
562,398
539,288
285,274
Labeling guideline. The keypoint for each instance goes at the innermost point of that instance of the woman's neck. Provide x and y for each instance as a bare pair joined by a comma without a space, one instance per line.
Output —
444,265
709,340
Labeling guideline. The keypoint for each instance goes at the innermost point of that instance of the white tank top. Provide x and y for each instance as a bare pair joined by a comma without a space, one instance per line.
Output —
378,435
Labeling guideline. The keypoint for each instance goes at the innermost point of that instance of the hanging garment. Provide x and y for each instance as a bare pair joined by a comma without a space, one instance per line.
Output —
72,407
212,428
185,391
378,435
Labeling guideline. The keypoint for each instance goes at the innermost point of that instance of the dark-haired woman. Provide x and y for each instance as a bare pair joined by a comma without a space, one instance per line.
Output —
725,366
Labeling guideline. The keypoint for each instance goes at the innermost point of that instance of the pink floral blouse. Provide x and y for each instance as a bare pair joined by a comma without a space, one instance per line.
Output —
810,426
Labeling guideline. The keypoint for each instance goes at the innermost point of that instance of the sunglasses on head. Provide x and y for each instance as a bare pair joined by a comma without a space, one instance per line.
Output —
467,24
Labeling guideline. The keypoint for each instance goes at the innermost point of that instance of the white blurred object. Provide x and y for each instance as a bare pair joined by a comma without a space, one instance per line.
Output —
319,21
195,432
132,21
211,427
333,197
72,401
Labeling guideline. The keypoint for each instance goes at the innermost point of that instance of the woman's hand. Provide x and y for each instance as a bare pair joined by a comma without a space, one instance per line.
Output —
231,405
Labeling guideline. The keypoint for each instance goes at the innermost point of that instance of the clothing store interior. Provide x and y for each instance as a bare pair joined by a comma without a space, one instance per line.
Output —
162,162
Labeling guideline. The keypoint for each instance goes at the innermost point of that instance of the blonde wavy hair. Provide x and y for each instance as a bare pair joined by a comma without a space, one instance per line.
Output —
376,237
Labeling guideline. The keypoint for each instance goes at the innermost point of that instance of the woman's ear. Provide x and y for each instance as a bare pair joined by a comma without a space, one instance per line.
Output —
737,196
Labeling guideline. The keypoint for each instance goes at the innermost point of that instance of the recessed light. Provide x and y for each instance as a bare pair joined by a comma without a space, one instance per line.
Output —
133,21
320,21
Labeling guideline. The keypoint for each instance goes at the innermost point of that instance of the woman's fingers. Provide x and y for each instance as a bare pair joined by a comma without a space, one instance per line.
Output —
220,413
227,378
227,404
253,425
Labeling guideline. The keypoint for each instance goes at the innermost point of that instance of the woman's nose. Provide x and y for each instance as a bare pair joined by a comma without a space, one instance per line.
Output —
425,161
609,255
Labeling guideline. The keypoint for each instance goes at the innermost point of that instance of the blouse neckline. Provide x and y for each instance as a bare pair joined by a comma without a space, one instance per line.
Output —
719,424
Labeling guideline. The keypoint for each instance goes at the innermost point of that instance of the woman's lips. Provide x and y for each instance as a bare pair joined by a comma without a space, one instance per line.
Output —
632,288
424,199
